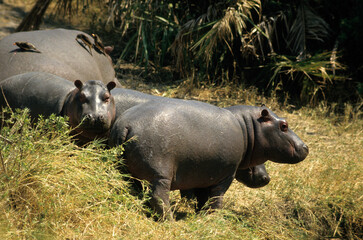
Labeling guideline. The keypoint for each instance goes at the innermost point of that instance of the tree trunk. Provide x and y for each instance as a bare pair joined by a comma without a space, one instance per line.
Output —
34,18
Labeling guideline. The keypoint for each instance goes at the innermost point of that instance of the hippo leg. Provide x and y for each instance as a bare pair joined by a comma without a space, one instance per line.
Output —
212,196
202,195
217,192
160,198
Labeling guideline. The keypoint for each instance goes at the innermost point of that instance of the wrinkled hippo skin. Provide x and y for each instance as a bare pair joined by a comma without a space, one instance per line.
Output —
89,106
60,54
176,144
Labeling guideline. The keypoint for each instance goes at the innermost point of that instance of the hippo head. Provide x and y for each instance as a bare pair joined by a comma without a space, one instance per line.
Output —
91,108
275,141
253,177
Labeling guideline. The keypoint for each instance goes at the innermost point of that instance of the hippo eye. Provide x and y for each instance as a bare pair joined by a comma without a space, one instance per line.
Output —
106,97
283,126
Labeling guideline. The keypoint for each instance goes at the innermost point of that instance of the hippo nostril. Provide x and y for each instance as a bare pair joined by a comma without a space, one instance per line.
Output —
87,117
306,148
266,179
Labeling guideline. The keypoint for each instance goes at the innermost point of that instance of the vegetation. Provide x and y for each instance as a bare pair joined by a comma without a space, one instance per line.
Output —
50,188
309,49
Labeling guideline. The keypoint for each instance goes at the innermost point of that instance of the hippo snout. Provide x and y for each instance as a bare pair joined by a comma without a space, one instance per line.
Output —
301,152
265,180
306,149
94,121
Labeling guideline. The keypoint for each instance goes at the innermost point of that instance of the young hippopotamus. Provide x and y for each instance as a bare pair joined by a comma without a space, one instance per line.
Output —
89,106
184,145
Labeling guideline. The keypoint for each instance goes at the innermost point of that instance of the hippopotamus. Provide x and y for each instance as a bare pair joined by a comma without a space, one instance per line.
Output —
252,177
193,145
89,106
58,53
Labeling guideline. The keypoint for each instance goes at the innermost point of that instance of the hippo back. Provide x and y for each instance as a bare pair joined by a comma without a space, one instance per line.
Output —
60,54
43,93
127,98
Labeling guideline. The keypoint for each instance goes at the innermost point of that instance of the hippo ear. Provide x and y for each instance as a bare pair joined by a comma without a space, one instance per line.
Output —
78,84
111,85
265,114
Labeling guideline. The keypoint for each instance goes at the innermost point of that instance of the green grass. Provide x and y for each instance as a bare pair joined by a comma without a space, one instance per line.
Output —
52,189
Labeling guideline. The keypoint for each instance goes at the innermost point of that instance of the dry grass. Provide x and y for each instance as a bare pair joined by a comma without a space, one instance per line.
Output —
62,191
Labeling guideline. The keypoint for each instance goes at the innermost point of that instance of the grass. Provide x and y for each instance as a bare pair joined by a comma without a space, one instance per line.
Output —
50,188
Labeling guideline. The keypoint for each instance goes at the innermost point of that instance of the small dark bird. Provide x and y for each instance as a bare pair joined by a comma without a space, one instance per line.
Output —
26,46
85,41
98,43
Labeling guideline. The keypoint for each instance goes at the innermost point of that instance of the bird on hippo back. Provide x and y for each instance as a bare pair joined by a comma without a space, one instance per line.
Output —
192,145
89,106
58,52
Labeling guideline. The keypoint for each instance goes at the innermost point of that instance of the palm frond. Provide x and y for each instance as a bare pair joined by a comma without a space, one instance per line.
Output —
233,24
306,26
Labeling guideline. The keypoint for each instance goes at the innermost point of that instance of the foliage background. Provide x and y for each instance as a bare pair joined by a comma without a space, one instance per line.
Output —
307,50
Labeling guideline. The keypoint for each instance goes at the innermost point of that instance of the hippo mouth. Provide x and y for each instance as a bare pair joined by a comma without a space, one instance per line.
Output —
96,127
91,134
299,153
89,130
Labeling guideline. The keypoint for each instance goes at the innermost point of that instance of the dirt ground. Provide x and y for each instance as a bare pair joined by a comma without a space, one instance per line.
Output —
11,14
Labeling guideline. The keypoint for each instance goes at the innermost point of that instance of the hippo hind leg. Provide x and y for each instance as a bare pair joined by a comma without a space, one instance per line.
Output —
160,198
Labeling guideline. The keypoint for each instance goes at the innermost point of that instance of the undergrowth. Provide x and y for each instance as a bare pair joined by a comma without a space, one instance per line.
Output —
52,189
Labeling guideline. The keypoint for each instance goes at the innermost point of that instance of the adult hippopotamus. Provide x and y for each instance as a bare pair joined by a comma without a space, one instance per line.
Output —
89,106
193,145
58,53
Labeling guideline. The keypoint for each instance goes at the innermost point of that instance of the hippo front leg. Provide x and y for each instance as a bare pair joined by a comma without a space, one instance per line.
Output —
160,198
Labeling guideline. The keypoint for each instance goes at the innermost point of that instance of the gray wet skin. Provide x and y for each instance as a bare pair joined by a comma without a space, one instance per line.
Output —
192,145
89,106
60,54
